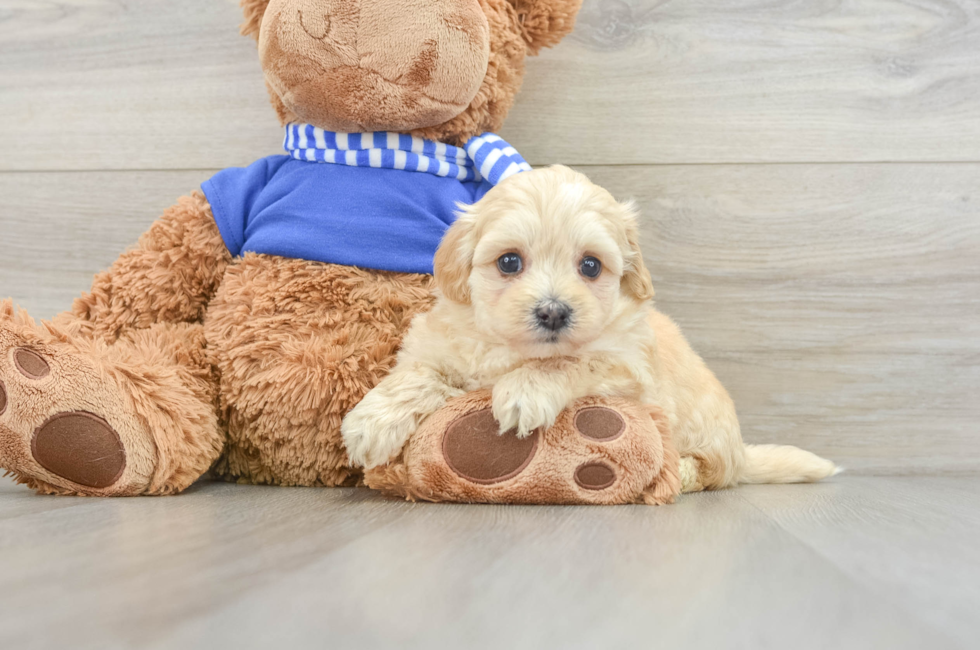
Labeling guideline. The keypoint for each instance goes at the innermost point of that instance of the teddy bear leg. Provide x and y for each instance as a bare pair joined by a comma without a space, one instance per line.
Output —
296,356
81,417
168,277
599,451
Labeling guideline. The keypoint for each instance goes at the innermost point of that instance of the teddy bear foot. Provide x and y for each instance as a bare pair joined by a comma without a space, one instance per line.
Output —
600,451
63,426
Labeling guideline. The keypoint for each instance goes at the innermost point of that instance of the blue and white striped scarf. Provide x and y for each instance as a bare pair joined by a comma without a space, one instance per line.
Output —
484,157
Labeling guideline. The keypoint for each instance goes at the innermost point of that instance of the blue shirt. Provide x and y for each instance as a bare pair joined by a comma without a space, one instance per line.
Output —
384,219
378,201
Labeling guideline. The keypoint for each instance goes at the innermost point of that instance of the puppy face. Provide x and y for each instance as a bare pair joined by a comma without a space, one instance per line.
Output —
546,261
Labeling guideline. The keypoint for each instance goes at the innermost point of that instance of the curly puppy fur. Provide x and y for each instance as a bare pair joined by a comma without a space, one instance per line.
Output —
571,318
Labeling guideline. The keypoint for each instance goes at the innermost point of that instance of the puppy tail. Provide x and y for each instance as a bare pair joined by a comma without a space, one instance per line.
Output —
784,464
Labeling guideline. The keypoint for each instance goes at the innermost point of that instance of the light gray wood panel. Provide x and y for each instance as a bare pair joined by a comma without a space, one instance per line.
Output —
910,541
249,567
649,81
130,84
840,304
59,229
138,84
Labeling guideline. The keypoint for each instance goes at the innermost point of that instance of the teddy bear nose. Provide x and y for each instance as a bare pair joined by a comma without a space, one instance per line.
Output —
553,315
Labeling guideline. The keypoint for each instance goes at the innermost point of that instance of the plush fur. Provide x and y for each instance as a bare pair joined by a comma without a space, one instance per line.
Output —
297,344
487,331
643,457
514,30
248,365
127,383
392,66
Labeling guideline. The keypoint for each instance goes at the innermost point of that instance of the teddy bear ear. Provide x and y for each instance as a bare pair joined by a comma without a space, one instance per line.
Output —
545,22
254,10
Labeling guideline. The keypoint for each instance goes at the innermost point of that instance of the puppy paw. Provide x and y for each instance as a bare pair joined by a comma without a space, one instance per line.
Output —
519,403
372,438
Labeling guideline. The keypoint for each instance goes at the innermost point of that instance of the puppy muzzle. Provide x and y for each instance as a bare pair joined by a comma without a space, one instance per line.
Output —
553,316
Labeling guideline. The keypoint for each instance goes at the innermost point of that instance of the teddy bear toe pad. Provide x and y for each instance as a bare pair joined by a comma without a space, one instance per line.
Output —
31,364
595,476
600,423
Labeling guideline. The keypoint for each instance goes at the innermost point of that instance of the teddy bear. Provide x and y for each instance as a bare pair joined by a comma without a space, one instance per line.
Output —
258,310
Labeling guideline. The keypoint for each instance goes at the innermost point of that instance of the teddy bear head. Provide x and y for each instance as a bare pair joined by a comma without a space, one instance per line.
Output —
444,70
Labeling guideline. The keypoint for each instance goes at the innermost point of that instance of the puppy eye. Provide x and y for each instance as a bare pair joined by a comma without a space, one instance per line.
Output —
590,267
510,263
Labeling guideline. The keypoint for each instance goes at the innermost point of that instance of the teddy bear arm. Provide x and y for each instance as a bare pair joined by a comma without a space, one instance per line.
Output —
168,277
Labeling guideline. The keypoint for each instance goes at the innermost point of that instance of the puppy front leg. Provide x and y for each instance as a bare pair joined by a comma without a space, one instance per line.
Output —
533,396
529,398
379,426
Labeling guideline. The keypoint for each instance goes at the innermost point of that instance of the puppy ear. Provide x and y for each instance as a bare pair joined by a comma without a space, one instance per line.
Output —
454,260
636,279
544,23
254,10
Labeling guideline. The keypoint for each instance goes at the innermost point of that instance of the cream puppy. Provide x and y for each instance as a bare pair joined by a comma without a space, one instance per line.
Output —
545,299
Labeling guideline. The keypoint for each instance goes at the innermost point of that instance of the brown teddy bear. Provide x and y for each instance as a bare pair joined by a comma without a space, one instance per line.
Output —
253,315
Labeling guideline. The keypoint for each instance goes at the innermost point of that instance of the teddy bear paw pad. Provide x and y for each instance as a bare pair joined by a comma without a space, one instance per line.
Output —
595,476
475,451
600,423
31,364
80,447
3,398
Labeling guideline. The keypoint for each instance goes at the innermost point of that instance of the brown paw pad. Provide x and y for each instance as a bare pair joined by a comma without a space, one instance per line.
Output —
80,447
3,398
595,476
599,423
475,451
31,364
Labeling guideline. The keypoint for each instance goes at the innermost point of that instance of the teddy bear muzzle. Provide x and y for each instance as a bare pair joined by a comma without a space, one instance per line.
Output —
373,65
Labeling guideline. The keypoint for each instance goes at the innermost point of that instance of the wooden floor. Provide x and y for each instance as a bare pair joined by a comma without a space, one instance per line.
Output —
859,562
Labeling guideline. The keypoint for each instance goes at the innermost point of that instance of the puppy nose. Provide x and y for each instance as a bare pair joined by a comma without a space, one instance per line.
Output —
553,315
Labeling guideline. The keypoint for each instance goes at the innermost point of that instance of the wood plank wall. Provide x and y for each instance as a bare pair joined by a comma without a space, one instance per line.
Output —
809,175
